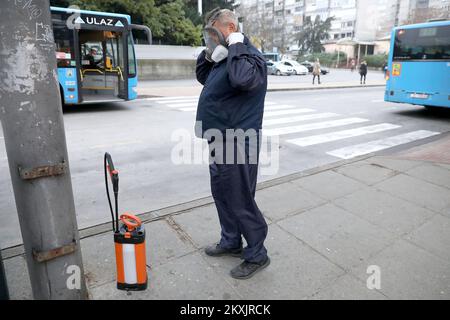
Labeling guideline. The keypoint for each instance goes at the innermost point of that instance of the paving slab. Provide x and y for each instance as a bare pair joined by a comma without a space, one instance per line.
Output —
417,191
393,214
188,277
367,173
444,165
162,244
201,224
286,199
19,284
400,165
436,151
337,234
296,271
348,287
99,259
409,272
434,236
329,184
446,211
432,173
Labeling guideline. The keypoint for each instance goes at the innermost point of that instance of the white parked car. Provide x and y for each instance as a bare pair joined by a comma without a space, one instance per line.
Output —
297,67
279,68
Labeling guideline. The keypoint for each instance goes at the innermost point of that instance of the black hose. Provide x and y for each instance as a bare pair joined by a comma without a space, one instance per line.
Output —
116,196
115,227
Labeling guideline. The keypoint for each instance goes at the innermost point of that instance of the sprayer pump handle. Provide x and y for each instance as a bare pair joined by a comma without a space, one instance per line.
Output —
132,222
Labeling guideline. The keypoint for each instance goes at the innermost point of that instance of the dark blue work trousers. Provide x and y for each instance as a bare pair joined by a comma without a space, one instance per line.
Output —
233,187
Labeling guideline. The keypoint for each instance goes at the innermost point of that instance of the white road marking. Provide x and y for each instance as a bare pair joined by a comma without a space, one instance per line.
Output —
169,98
378,145
377,101
299,118
193,107
312,126
340,135
194,100
116,143
279,107
188,109
287,112
181,105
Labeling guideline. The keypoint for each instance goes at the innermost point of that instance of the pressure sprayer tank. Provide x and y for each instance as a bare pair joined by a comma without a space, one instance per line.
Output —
129,238
130,254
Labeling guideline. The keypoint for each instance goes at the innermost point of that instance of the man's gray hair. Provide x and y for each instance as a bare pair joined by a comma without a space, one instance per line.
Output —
226,16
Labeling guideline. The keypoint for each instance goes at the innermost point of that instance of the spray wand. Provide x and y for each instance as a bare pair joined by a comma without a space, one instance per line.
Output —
114,174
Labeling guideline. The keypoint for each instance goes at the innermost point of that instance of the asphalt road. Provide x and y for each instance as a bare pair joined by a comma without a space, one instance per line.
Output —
316,127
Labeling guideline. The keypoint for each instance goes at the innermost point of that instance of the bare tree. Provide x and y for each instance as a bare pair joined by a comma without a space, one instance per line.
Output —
258,21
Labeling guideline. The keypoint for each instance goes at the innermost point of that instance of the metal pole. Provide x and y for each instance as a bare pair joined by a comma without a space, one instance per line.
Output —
339,53
359,54
4,294
200,7
31,116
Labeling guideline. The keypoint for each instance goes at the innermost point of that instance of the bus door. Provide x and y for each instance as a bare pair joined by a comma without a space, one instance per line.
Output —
103,67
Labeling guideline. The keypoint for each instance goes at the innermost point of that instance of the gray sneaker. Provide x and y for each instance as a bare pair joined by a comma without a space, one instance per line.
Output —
216,250
247,270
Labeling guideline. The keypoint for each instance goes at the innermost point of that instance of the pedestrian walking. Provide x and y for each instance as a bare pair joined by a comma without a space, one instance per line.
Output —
234,75
363,71
352,65
385,69
316,71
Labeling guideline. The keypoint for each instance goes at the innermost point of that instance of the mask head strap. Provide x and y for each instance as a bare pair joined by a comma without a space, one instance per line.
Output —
212,16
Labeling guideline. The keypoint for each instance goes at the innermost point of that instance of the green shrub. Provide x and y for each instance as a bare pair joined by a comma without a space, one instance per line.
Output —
376,61
326,59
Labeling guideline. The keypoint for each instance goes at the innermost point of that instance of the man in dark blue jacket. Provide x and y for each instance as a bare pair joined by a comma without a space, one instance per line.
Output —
234,75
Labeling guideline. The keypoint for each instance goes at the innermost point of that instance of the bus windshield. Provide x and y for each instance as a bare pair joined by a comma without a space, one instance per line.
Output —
422,44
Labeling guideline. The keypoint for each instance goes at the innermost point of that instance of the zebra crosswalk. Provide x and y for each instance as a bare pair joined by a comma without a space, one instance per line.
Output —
306,127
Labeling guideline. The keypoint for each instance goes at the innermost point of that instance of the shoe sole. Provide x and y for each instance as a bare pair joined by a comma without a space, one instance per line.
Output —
251,275
235,255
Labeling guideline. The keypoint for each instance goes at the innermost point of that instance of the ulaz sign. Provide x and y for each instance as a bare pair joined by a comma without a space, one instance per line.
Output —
97,21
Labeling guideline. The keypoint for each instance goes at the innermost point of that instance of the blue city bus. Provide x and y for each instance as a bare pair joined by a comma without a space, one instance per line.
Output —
419,65
95,55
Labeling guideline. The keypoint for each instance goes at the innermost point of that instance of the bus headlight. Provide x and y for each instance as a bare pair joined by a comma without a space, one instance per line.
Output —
134,89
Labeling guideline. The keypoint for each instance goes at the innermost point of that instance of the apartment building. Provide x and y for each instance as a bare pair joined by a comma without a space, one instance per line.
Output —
359,27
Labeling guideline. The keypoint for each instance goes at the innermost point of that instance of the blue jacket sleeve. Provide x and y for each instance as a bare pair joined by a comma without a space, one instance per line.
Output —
203,68
246,71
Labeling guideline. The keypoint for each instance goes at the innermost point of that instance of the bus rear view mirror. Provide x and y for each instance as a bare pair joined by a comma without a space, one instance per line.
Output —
146,30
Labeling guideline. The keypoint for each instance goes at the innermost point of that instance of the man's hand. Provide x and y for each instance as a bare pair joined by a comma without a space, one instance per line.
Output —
235,37
208,54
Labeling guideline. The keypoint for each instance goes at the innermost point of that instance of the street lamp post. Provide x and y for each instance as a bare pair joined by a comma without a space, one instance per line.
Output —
200,7
31,117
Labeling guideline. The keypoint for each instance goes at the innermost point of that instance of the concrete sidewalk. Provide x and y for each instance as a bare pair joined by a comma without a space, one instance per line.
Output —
327,226
146,90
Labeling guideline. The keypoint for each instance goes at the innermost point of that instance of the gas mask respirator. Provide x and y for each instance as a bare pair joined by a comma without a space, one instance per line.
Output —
216,46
